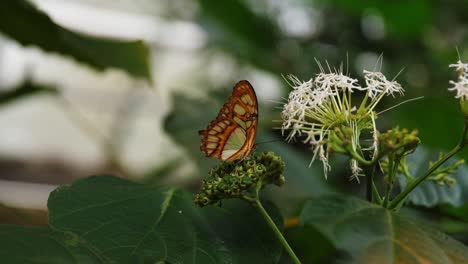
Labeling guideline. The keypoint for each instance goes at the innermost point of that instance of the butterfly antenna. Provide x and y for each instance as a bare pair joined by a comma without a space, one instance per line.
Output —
404,102
269,141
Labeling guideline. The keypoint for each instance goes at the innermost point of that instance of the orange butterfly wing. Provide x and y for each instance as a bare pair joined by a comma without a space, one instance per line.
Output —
232,134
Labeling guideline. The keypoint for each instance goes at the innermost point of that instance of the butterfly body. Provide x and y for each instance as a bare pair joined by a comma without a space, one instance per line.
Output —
232,134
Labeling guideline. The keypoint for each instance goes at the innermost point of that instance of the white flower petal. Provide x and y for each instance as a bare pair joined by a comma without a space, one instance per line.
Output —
461,85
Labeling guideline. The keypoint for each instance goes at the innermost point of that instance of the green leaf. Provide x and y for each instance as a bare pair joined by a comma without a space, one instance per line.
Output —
26,89
42,245
104,219
302,237
430,194
235,27
23,22
396,14
372,234
236,18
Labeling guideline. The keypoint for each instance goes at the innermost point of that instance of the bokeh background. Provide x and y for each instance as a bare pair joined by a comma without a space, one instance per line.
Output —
121,87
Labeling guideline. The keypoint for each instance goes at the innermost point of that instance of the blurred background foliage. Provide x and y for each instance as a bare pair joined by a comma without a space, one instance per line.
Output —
139,79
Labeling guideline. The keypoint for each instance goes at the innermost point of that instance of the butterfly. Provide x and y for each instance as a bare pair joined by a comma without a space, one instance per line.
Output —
232,134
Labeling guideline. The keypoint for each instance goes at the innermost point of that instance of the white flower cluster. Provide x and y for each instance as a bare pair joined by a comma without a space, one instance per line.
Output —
461,85
317,105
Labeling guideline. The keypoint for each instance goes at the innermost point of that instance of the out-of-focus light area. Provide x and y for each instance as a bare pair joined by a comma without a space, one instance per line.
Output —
47,140
38,131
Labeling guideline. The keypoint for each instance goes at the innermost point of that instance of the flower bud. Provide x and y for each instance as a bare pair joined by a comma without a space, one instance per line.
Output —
240,178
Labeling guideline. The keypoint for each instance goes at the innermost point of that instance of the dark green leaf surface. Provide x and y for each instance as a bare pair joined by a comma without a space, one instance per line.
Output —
109,220
21,21
24,90
42,245
302,237
372,234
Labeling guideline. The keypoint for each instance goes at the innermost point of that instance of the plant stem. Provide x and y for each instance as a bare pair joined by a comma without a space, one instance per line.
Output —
372,193
369,174
393,162
359,159
412,185
277,232
271,223
376,194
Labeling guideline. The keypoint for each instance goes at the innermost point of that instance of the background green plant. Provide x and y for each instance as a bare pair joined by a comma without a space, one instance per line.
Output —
104,219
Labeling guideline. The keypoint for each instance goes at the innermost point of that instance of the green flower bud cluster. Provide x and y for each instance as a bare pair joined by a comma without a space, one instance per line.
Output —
238,179
442,176
399,141
443,179
339,140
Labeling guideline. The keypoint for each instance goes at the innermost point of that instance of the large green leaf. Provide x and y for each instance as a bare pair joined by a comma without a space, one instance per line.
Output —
236,28
430,194
372,234
24,90
42,245
236,18
396,14
21,21
104,219
302,237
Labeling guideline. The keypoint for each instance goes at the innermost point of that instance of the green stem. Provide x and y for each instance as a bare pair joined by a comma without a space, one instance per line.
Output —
277,232
372,193
412,185
392,165
376,194
272,225
362,160
369,174
359,159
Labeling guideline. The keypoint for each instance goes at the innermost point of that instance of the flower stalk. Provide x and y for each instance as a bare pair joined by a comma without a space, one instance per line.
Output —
257,204
244,179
